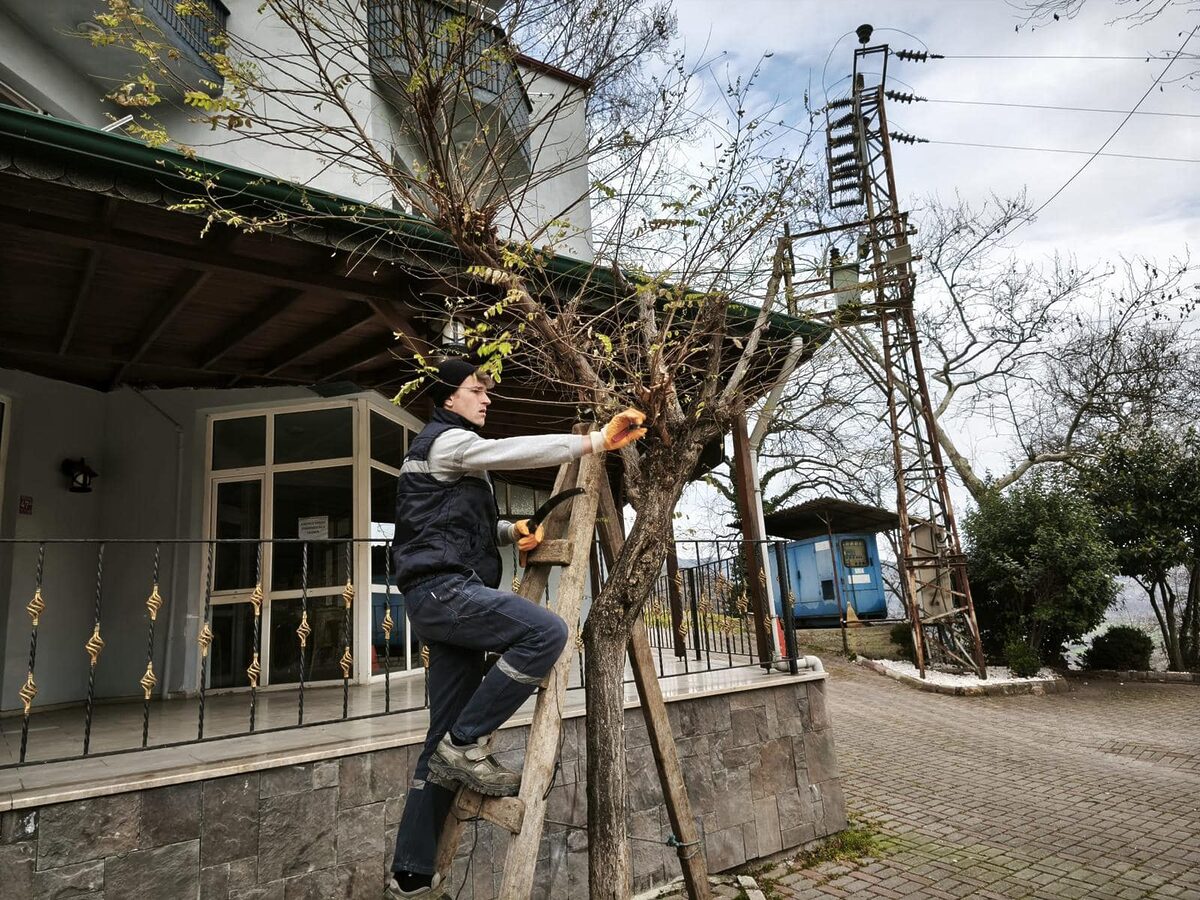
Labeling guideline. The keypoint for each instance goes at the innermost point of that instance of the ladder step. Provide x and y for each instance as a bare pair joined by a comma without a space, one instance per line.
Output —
555,552
507,812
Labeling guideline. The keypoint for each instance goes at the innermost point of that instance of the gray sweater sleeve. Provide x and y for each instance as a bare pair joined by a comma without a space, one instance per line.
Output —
460,451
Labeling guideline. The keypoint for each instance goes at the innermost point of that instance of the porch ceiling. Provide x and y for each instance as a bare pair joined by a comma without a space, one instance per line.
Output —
103,284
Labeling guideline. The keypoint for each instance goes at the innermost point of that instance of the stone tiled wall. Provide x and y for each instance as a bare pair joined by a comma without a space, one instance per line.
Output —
760,769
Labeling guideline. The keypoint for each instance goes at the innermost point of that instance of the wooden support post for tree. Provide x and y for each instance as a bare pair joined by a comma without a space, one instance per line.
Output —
675,593
658,725
756,578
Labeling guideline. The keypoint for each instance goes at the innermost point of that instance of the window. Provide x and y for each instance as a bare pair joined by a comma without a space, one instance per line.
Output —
239,443
388,441
315,434
238,516
854,553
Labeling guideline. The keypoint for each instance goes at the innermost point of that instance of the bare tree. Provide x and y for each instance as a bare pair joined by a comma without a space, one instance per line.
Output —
1130,12
689,336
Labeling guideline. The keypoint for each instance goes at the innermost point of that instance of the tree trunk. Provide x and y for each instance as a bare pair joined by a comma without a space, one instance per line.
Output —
606,637
1174,657
610,868
1191,619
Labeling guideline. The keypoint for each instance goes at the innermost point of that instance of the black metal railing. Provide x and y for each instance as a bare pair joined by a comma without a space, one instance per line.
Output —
196,30
698,619
701,614
445,41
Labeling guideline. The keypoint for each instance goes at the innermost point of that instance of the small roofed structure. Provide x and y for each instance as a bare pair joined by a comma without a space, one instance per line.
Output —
829,514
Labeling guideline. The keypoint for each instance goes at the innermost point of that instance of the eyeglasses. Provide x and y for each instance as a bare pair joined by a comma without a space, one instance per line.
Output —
477,391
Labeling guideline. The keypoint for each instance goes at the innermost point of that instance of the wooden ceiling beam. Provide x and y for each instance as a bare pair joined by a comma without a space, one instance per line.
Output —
23,346
108,212
199,256
186,289
359,356
269,310
313,339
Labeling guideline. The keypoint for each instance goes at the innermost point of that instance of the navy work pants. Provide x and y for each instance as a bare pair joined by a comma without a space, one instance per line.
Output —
460,618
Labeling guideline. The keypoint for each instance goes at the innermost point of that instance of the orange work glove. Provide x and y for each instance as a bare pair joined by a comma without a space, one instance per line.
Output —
623,429
527,540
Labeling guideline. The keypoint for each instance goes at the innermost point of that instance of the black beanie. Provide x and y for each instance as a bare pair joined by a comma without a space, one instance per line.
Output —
451,373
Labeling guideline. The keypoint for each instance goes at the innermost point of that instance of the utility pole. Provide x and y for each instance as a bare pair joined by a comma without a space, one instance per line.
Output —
861,176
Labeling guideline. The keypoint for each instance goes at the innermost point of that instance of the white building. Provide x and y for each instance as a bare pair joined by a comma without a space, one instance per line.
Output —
230,386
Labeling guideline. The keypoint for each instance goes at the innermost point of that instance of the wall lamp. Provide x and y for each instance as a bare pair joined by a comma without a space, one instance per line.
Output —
80,475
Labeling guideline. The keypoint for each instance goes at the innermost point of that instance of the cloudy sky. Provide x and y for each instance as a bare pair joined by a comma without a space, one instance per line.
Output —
1116,206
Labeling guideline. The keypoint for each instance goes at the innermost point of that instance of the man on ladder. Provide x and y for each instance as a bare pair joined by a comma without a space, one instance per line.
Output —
447,565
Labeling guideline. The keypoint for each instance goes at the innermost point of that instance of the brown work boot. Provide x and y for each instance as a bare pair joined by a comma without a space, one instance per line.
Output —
473,766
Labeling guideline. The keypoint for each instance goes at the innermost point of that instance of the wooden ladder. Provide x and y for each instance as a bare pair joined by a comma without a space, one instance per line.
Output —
570,529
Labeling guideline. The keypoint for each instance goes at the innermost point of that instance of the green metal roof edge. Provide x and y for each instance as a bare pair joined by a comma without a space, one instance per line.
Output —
63,140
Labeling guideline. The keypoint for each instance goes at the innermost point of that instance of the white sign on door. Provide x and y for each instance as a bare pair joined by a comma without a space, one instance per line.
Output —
312,528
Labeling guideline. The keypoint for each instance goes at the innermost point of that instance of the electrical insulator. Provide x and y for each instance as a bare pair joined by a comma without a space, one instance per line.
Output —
901,97
843,121
845,172
843,204
903,138
917,55
839,104
842,140
843,158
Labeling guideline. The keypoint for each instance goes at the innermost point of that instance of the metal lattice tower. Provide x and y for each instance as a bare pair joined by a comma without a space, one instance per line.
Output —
932,564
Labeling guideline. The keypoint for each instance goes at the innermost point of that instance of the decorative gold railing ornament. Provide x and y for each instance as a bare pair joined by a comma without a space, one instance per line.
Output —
205,640
425,655
348,594
304,629
94,645
154,602
27,692
346,662
36,606
516,584
148,681
388,623
579,642
253,671
256,599
743,604
706,606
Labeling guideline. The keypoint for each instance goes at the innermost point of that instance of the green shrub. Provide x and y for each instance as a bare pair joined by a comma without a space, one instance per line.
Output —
1021,659
1121,647
902,637
1041,570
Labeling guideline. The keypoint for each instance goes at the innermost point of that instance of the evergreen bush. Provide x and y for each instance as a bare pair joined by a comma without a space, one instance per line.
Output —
1121,647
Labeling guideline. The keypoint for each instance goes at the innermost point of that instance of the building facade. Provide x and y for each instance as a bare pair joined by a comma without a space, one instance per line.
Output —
231,387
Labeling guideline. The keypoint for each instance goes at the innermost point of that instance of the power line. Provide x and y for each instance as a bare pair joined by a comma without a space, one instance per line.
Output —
1091,109
1116,130
1143,58
1061,150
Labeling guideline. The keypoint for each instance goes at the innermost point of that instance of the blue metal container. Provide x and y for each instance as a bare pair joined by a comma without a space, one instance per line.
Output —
824,583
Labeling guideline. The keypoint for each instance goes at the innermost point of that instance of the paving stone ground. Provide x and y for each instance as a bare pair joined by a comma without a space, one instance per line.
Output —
1091,793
